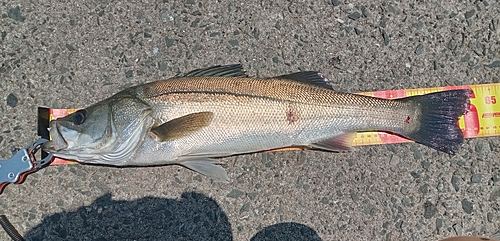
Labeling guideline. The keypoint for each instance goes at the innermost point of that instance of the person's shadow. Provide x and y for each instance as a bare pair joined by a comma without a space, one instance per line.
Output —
192,217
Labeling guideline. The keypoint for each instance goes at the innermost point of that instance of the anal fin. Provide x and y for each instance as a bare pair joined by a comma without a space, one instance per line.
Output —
342,142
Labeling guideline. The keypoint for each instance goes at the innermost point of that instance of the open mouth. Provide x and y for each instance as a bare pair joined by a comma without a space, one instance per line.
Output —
57,141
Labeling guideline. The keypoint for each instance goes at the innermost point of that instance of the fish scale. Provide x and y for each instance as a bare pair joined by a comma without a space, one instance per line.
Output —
318,100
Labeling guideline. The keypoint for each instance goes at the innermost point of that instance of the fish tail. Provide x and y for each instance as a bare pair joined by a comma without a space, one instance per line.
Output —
437,117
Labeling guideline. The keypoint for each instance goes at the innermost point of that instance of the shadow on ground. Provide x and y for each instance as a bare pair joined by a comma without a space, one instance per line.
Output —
192,217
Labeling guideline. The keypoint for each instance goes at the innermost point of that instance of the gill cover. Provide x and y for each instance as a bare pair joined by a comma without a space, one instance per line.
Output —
105,133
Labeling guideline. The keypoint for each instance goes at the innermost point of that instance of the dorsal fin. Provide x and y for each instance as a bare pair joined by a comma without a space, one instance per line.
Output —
233,70
308,77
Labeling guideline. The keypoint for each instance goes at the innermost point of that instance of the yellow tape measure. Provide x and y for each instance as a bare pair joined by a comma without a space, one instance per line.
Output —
483,118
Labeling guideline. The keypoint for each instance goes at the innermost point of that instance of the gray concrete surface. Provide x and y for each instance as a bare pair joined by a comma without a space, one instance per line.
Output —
71,53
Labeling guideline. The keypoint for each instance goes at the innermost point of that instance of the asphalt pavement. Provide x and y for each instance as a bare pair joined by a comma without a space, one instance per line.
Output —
72,53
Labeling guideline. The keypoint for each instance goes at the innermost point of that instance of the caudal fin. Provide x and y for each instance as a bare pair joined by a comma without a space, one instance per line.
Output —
437,119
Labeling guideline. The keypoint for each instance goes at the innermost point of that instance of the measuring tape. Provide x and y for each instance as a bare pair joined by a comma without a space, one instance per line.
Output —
482,119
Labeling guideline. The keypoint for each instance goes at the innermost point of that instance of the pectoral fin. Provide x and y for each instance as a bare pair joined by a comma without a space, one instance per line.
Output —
208,167
341,142
182,126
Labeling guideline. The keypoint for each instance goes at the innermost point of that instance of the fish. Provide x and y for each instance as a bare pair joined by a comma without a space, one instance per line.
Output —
196,119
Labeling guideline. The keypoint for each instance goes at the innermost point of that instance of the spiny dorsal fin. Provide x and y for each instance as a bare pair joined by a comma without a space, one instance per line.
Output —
182,126
234,70
308,77
342,142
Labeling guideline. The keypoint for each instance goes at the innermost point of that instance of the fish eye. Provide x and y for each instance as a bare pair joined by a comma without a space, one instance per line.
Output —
79,117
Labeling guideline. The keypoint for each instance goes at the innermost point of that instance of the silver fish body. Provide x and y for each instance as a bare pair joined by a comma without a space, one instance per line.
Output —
217,112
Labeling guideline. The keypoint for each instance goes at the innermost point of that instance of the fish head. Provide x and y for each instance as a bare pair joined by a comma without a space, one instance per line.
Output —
105,133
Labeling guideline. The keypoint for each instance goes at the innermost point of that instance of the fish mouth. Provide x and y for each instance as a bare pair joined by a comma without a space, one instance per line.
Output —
57,141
